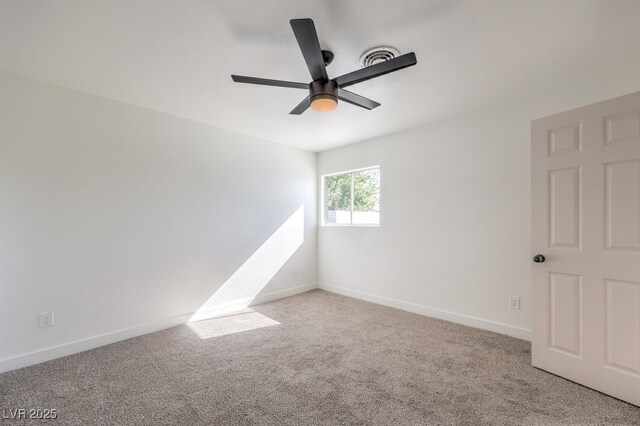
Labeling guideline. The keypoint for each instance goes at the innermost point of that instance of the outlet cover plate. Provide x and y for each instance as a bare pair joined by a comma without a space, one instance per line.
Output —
46,319
514,302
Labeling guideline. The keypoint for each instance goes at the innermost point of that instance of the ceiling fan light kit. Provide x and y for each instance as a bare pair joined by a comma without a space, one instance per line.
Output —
324,95
323,91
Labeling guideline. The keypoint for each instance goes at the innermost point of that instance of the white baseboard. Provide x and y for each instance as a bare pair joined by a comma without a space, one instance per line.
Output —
81,345
70,348
497,327
236,305
264,298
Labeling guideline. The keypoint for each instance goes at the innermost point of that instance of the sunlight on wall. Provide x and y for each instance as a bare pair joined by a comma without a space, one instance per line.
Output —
245,284
240,321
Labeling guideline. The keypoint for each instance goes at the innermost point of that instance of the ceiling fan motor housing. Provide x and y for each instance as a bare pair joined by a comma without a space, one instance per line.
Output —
325,89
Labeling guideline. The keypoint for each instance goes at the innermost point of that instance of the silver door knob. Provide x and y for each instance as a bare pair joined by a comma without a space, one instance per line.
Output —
538,258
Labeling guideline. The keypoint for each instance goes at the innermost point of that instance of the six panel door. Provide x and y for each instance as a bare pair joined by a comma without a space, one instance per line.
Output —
586,223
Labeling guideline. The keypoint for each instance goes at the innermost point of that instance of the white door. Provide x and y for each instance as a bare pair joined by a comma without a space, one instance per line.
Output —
586,223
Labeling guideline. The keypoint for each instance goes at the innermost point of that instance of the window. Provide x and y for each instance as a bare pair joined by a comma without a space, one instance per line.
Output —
352,198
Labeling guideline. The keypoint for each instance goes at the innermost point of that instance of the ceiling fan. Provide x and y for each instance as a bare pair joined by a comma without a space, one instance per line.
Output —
323,91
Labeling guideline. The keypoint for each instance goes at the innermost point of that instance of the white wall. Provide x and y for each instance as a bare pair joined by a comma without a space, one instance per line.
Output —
123,220
117,217
454,235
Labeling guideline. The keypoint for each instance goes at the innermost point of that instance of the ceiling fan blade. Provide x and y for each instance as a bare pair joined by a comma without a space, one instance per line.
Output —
302,106
268,82
358,100
382,68
307,37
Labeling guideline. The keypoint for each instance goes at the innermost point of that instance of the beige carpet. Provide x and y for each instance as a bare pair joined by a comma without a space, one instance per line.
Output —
315,358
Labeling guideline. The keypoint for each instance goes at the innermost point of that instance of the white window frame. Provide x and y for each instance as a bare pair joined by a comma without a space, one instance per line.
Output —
323,200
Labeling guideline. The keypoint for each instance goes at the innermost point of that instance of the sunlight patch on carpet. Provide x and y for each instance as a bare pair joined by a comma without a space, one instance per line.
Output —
244,320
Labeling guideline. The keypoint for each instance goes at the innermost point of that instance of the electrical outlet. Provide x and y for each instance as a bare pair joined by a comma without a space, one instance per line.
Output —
514,302
46,319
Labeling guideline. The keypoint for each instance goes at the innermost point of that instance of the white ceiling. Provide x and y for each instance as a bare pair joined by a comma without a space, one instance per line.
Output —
176,56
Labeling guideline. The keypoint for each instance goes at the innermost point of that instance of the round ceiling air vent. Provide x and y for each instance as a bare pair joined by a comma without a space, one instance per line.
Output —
377,55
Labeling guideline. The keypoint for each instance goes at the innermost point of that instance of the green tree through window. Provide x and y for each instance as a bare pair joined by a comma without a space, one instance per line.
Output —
339,192
353,197
366,190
